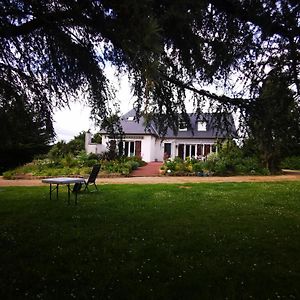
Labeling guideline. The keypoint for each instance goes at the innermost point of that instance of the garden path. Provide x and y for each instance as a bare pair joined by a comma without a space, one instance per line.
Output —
149,170
288,176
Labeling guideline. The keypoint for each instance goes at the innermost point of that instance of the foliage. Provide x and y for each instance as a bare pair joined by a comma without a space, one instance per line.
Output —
75,165
71,159
230,160
152,242
274,121
292,162
72,148
76,145
25,131
97,138
52,49
123,165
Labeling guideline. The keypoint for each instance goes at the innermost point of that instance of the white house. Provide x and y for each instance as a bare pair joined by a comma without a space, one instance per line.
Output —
199,140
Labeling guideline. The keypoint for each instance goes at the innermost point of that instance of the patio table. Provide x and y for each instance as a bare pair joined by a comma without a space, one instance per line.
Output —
63,180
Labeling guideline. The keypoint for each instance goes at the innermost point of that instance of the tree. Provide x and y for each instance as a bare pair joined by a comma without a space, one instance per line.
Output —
26,130
62,149
49,50
274,121
76,145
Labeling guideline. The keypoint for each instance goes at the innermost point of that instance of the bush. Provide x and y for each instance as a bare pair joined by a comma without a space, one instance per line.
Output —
69,161
8,174
292,162
198,166
230,160
170,165
136,159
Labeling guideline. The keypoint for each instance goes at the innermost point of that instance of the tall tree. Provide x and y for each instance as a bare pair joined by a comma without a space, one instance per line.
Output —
26,130
274,121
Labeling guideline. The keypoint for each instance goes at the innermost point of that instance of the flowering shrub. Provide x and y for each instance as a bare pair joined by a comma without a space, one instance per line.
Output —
230,160
179,166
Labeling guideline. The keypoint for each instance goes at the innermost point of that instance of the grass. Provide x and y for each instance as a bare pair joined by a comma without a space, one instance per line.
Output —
191,241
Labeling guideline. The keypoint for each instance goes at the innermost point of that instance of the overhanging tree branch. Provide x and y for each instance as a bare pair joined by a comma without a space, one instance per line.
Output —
238,102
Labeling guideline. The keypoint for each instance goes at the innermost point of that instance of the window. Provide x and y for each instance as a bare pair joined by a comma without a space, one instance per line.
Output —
201,126
167,150
131,118
190,150
130,148
195,150
182,126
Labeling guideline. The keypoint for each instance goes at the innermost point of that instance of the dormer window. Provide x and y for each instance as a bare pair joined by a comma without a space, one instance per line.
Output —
201,126
131,118
182,126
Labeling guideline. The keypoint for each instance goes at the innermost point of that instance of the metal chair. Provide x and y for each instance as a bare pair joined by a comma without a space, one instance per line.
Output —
92,178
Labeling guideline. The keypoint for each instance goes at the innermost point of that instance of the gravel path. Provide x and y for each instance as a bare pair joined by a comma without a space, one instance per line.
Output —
289,176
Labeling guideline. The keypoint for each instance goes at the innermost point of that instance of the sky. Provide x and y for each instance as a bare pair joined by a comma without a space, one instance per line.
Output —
68,122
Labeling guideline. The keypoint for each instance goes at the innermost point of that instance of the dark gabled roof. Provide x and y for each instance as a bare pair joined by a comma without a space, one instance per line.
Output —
134,127
213,130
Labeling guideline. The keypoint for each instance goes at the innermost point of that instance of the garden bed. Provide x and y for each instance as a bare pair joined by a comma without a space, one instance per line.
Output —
77,166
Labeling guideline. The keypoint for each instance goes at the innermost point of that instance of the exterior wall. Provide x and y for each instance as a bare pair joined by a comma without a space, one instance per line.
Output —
92,147
152,149
105,141
146,148
158,150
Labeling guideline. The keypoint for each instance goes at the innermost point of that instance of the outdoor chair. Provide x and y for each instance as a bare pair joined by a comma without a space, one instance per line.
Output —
91,180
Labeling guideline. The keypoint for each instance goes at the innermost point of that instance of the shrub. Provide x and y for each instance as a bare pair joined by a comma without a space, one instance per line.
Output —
170,165
69,161
133,165
221,167
210,163
198,166
8,174
137,159
230,160
292,162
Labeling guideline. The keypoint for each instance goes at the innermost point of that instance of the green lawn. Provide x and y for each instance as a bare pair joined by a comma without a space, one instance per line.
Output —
196,241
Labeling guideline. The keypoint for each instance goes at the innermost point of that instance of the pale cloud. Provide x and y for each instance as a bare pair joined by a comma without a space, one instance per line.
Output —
68,122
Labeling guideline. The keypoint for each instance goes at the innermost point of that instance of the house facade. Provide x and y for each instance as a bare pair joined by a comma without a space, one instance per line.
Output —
197,141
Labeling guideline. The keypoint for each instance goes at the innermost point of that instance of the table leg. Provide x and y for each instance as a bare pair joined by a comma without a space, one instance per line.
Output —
68,194
75,197
57,191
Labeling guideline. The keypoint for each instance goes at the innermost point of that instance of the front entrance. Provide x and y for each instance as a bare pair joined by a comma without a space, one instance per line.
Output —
138,148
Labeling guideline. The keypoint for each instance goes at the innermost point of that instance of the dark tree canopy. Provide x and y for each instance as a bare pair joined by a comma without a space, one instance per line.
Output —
274,121
49,50
25,130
